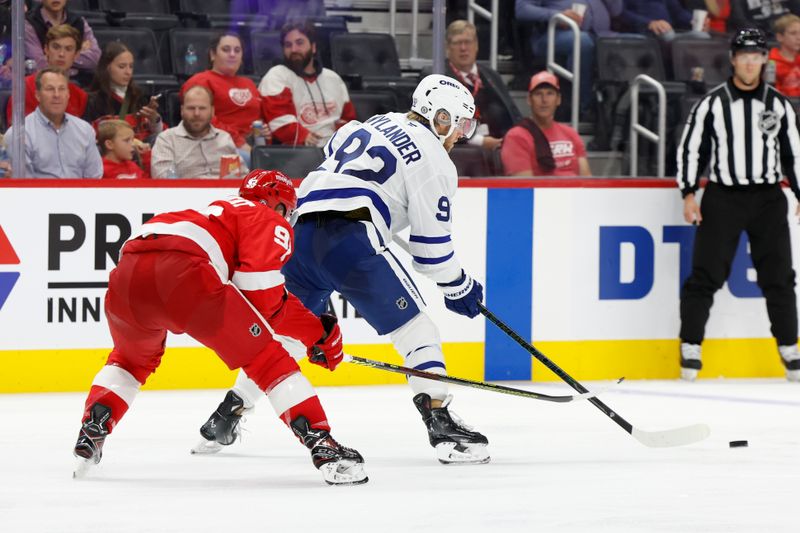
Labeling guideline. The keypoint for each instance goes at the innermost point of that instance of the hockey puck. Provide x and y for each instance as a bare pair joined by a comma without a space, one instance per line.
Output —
738,444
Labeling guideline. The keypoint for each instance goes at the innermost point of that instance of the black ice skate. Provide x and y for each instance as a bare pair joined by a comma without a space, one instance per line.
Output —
92,435
454,442
339,465
222,427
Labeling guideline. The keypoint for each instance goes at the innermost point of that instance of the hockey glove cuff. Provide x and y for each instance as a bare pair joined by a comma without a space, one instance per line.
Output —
463,295
328,352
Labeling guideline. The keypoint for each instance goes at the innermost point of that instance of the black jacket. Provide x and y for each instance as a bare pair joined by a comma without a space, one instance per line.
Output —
35,19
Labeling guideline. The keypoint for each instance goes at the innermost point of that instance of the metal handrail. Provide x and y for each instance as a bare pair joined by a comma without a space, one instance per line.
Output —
637,129
575,75
492,16
438,24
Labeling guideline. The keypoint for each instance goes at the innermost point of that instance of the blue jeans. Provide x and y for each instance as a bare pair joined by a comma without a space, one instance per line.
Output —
563,46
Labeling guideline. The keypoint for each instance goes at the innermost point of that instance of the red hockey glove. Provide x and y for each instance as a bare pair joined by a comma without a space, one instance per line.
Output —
327,352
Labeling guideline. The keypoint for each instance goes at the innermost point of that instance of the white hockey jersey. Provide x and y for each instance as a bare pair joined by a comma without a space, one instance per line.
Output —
399,170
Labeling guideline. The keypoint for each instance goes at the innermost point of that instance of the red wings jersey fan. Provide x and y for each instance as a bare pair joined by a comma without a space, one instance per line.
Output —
215,275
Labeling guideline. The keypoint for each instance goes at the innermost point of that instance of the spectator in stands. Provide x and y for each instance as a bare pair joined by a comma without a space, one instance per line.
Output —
237,102
193,148
787,56
495,108
58,144
113,93
596,21
718,12
115,140
61,46
304,103
660,18
540,146
48,14
760,14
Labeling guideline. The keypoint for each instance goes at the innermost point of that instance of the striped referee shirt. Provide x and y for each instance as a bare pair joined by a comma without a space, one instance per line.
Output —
742,137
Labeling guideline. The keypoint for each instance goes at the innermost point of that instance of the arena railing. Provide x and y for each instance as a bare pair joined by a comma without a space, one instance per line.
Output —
575,75
637,129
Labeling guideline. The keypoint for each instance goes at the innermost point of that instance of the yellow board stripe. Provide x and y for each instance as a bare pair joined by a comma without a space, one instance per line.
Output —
200,368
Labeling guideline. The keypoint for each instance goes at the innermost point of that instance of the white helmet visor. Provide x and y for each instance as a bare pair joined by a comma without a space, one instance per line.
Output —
466,126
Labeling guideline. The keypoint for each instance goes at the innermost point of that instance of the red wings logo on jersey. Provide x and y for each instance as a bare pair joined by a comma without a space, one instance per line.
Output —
315,112
240,97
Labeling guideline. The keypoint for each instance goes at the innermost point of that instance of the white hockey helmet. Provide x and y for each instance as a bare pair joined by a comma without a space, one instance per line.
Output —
444,101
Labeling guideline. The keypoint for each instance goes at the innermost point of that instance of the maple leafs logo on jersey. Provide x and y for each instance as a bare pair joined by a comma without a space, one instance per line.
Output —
255,330
240,97
401,303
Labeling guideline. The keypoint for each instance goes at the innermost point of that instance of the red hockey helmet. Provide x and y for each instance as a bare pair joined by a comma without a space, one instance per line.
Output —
271,188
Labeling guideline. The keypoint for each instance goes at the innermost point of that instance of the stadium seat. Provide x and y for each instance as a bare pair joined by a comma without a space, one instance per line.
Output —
95,19
266,50
367,54
326,28
370,103
173,107
141,41
236,15
470,161
80,5
373,58
282,10
619,61
709,54
179,41
295,162
161,7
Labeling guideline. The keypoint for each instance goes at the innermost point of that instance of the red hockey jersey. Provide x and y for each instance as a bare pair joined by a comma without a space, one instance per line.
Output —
247,244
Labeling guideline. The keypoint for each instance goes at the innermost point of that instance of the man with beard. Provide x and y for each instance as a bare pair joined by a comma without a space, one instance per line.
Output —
303,102
193,148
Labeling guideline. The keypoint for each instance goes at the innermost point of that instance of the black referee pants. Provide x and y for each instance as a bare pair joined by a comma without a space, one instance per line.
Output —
762,213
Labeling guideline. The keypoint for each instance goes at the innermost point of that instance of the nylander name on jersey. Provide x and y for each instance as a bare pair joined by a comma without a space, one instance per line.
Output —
397,136
399,170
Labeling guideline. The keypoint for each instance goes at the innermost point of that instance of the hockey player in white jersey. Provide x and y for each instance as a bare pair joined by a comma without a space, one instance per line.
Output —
380,177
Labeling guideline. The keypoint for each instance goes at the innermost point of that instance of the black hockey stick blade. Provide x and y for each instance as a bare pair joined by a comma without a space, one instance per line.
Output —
653,439
389,367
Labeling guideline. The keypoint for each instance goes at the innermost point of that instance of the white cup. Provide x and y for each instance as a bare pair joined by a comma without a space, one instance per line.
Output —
699,19
580,9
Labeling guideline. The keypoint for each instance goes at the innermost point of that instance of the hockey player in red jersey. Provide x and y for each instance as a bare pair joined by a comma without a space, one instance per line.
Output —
215,275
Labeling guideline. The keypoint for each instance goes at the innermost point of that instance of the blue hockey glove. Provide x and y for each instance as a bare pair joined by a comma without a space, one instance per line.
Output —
463,295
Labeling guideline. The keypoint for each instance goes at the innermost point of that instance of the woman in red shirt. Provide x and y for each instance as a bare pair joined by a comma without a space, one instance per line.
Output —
237,102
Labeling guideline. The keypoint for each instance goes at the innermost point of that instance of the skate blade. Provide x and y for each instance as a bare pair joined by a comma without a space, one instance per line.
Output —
82,467
344,473
206,447
689,374
793,375
452,453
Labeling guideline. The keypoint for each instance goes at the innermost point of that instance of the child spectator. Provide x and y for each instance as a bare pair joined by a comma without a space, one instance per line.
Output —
114,94
787,56
115,139
237,102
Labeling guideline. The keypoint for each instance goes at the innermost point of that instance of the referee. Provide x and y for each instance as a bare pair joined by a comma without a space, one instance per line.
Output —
746,134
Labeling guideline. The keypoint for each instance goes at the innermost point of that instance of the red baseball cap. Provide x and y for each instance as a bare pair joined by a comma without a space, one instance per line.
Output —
543,78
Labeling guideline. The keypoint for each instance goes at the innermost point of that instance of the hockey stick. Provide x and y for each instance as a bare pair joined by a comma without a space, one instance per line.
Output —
654,439
585,395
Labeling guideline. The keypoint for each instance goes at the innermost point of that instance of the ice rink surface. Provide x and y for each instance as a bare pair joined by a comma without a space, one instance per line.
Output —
555,468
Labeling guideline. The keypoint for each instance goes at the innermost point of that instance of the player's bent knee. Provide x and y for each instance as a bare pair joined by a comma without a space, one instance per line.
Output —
417,332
